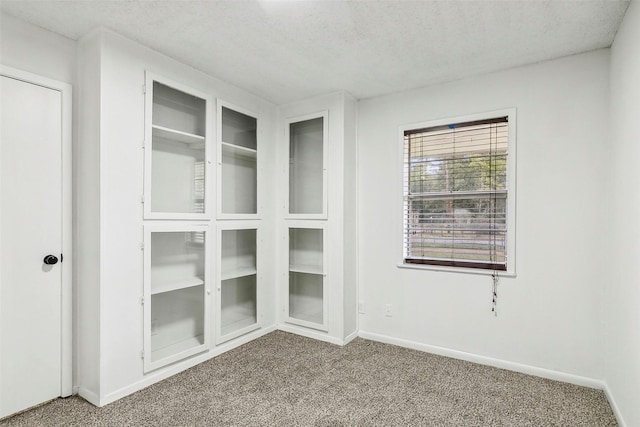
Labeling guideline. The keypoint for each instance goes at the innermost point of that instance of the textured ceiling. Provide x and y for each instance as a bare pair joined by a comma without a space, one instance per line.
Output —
291,50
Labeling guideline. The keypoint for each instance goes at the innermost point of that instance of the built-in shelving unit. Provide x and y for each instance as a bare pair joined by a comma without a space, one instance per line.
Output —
307,301
237,311
317,196
176,151
175,293
238,162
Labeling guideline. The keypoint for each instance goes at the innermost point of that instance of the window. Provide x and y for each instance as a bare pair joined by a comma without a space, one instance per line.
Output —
457,194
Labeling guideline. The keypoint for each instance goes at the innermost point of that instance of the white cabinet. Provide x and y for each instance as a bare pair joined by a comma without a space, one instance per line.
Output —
237,162
318,217
177,134
238,280
307,178
176,293
306,304
147,167
176,277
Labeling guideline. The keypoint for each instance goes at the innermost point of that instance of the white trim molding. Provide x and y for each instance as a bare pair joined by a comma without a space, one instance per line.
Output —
614,406
489,361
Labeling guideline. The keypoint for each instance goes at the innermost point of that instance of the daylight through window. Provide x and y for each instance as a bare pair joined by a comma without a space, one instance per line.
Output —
455,194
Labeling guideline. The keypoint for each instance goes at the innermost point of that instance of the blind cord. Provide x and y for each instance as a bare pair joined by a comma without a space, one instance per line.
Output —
494,304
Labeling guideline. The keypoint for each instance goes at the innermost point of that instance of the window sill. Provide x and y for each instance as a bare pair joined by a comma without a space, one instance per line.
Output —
444,269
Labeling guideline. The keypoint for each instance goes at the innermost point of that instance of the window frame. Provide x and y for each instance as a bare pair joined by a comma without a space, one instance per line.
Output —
510,113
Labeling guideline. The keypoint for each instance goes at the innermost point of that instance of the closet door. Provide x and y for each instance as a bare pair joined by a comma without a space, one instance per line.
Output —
176,293
33,219
177,135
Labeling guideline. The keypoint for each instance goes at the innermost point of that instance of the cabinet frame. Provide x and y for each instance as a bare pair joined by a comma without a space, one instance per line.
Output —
324,114
312,225
219,147
168,227
150,78
231,226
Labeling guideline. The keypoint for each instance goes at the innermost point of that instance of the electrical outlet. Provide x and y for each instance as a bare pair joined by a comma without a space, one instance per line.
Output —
387,310
361,307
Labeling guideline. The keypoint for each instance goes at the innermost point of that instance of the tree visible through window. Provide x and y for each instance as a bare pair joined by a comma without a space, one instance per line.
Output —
455,194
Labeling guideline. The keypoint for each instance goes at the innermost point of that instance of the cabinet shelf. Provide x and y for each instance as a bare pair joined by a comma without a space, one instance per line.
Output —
315,318
234,150
238,325
176,135
306,268
177,348
174,285
238,272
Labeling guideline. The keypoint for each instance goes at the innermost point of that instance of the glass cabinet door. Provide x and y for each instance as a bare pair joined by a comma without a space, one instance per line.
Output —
238,162
238,286
175,301
307,172
175,152
307,296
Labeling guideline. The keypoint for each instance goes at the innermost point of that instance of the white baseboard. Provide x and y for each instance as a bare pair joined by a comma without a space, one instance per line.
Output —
483,360
614,407
162,374
350,337
89,396
309,333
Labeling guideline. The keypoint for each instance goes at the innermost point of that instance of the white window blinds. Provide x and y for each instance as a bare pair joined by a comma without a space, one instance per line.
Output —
455,194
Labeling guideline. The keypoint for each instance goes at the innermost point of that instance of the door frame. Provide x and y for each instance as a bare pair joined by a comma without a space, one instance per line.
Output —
66,325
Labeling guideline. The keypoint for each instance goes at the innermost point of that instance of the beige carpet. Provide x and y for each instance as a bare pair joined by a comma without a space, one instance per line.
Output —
286,380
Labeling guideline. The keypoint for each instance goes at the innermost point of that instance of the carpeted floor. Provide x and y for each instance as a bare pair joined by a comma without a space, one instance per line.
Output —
287,380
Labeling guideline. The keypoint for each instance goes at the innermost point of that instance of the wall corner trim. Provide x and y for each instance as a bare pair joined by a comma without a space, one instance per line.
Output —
614,406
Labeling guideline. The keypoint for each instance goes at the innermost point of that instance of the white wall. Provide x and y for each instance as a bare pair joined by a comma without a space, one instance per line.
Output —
30,48
550,314
622,282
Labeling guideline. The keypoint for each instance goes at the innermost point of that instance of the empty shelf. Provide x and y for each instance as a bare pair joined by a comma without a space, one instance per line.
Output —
176,135
174,285
238,272
177,348
303,268
229,149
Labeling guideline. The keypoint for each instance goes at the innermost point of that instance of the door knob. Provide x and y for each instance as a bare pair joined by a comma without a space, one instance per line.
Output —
50,259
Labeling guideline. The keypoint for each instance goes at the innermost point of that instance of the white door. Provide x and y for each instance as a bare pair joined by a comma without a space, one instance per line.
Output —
30,230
